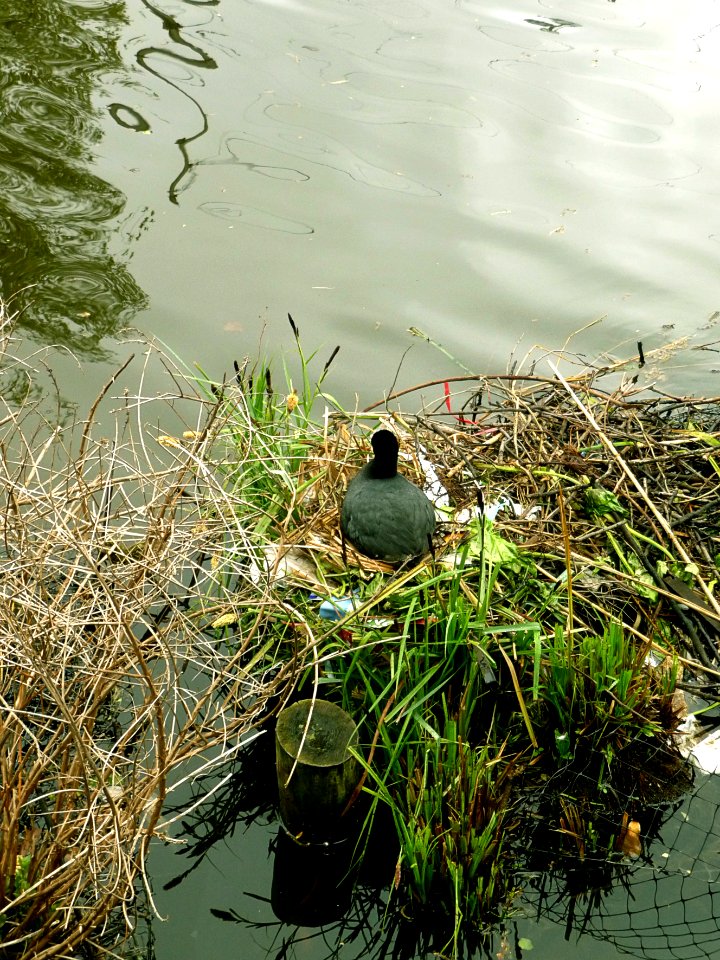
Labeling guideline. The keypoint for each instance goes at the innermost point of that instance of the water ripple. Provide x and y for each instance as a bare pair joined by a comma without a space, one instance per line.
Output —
57,217
598,107
41,121
243,214
128,117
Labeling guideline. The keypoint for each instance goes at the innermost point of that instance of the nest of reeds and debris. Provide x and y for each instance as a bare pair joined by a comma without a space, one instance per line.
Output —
593,503
613,496
160,560
603,501
576,508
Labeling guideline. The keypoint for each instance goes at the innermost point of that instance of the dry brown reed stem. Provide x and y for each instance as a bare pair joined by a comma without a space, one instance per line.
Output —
111,683
666,528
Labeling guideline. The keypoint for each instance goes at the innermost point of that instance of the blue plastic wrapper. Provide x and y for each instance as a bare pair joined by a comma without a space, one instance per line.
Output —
335,608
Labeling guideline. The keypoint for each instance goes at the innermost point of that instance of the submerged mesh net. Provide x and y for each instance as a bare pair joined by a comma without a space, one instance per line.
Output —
664,904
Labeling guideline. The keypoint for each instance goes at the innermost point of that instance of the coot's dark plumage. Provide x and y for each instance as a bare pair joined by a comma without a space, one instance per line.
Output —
383,514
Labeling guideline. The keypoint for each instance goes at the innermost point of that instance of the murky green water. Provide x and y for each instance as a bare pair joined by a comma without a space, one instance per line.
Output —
496,175
59,219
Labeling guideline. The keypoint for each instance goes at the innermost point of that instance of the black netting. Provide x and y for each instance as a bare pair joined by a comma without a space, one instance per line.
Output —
664,904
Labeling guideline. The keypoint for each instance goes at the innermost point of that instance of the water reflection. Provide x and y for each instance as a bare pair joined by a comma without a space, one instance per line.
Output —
257,218
665,905
183,53
231,881
57,218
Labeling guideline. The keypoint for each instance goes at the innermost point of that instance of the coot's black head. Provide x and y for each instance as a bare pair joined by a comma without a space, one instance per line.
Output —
385,447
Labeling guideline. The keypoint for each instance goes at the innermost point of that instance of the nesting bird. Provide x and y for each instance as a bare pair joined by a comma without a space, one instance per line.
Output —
384,515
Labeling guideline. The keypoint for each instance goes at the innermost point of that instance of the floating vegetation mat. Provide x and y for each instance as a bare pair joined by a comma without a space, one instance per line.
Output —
520,690
603,502
172,573
606,503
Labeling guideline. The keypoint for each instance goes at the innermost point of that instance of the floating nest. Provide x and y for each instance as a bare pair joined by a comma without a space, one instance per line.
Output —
604,502
147,552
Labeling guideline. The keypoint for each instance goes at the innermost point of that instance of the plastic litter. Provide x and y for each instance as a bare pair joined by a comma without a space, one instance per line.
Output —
705,753
275,563
433,485
335,608
517,509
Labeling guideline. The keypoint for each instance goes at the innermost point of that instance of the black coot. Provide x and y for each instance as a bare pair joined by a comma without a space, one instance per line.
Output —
384,515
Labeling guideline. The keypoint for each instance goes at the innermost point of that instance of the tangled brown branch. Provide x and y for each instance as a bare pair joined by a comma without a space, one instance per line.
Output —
112,680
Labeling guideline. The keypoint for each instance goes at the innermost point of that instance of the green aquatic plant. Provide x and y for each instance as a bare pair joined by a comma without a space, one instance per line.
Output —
600,694
452,822
421,683
494,663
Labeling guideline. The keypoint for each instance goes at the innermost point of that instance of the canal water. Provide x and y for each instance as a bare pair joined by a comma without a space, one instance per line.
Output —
220,890
508,178
498,176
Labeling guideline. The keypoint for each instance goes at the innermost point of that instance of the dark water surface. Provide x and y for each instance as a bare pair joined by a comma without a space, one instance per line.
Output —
59,219
665,905
498,176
